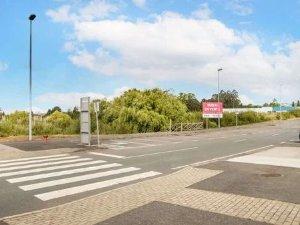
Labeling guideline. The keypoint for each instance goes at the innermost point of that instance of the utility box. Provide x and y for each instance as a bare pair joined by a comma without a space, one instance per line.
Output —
85,121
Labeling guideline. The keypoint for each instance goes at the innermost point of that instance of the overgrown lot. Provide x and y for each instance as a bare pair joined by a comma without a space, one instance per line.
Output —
134,111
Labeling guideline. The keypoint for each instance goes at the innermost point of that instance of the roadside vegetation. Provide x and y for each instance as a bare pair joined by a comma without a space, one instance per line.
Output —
136,111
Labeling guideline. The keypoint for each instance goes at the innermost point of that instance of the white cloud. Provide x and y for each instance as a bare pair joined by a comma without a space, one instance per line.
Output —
62,14
95,9
240,7
186,48
139,3
3,66
246,100
70,99
203,12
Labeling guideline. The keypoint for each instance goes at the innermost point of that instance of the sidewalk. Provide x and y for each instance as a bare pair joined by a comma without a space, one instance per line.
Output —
180,189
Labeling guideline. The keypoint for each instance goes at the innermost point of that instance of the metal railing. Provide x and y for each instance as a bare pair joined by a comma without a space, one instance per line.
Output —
180,127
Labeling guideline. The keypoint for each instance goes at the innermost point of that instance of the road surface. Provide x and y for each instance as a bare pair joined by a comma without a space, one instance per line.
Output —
40,182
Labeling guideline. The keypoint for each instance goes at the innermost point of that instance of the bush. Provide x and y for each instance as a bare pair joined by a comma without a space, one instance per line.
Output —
296,112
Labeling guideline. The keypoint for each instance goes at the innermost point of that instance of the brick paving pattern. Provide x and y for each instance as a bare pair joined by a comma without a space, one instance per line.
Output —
170,189
258,209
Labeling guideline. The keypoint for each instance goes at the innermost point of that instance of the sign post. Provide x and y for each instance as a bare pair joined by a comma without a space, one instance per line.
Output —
96,108
85,121
212,110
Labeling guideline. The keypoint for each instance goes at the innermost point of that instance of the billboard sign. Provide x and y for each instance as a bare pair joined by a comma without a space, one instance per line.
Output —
212,109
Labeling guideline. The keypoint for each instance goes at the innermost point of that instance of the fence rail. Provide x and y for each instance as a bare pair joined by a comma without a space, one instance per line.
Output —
186,127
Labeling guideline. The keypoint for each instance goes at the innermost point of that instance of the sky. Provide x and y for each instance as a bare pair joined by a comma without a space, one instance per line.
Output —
101,48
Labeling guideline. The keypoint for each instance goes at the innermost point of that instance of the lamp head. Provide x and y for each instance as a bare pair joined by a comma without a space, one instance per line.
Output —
31,17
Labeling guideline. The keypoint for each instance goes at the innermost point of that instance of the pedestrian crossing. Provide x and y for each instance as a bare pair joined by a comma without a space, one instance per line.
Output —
58,176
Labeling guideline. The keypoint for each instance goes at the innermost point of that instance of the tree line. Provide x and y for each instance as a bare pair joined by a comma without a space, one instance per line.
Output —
134,111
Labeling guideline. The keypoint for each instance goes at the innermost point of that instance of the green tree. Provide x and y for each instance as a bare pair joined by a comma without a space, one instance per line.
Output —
60,120
190,100
274,103
143,111
74,114
50,111
229,98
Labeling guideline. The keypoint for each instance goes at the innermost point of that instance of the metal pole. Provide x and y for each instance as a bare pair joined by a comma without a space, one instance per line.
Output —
98,138
96,108
219,125
30,83
170,126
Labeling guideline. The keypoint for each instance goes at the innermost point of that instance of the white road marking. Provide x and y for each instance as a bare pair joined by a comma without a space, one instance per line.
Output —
37,161
158,153
76,179
108,155
133,147
283,142
240,140
32,158
93,186
64,172
22,172
244,134
141,143
275,134
267,160
43,164
220,158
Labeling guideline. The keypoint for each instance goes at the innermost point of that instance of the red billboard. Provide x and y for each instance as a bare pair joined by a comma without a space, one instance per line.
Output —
212,109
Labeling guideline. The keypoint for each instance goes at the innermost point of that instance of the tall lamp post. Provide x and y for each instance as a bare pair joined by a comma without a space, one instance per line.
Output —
31,18
220,69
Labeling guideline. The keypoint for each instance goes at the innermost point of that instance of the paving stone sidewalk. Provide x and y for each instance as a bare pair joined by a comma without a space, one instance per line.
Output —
170,189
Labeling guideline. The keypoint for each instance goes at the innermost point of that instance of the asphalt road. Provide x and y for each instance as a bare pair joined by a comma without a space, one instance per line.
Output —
37,183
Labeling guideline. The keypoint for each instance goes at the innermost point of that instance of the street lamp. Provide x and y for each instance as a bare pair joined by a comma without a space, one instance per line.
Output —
31,18
220,69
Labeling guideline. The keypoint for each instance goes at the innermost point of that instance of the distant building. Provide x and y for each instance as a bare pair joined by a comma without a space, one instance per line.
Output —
283,108
258,110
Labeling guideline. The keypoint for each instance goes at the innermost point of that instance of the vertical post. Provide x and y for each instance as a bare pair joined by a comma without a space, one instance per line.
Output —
181,127
206,123
30,82
219,122
96,107
236,119
170,126
31,18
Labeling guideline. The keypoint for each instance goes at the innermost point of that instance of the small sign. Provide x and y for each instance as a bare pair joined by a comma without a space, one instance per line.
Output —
212,109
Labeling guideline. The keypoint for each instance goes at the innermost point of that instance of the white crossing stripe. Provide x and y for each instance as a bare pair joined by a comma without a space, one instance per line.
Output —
36,161
240,140
107,155
64,172
76,179
93,186
31,158
22,172
43,164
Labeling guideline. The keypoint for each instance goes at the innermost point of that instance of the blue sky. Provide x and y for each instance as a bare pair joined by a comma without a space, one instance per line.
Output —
101,48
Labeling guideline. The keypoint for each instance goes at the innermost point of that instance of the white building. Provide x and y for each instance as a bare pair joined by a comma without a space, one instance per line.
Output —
258,110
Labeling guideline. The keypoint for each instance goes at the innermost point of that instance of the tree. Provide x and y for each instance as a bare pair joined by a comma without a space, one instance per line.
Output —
190,100
143,111
298,103
59,119
74,114
293,104
229,98
274,103
50,111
